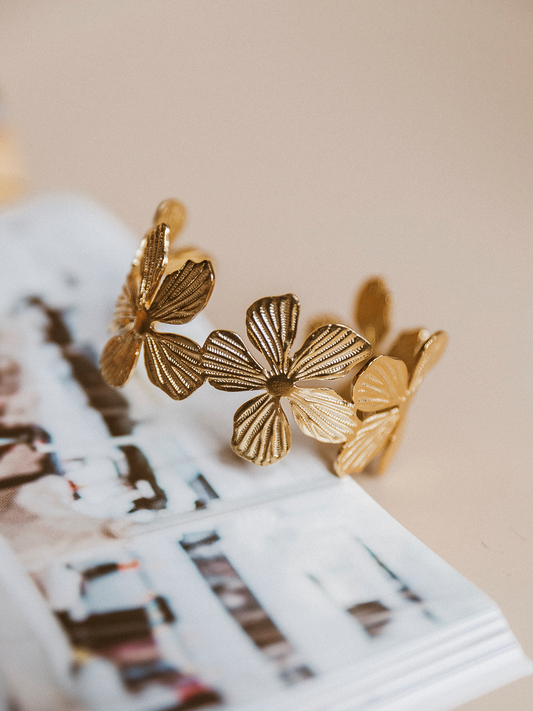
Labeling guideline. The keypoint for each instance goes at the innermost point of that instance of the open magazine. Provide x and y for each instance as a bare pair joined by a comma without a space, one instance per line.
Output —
145,567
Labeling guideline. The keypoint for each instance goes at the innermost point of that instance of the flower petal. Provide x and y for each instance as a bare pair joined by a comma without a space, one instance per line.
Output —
119,358
228,364
322,413
429,356
372,310
322,320
381,384
367,441
173,363
391,447
173,214
178,257
407,347
136,261
329,352
126,306
271,325
261,432
183,294
153,262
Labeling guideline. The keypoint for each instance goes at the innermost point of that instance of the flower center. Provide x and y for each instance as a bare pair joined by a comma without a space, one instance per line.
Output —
142,322
279,385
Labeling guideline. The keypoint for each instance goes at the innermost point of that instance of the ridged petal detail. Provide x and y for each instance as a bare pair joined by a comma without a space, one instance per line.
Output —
369,439
429,356
392,444
173,363
126,306
407,347
271,325
183,294
153,262
322,413
261,432
381,384
228,364
331,351
119,358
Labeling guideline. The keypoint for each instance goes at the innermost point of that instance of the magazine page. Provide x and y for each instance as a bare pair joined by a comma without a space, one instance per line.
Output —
274,606
145,567
131,454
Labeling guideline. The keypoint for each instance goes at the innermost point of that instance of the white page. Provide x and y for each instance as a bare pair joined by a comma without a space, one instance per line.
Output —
67,263
335,590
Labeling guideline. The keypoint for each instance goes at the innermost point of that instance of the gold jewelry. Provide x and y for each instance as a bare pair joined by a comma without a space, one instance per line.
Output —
372,311
383,389
172,213
368,426
152,293
382,392
261,431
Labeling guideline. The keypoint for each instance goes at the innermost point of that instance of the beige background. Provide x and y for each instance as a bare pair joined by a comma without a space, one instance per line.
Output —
317,143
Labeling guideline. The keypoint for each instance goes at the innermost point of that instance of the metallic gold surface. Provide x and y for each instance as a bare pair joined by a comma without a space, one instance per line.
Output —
322,320
149,295
407,346
261,431
381,394
377,428
373,310
173,213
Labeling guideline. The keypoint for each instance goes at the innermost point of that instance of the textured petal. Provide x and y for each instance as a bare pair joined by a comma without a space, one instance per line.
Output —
391,447
172,213
183,294
372,310
407,347
329,352
153,262
173,363
322,413
136,261
322,320
126,306
429,356
261,432
228,364
381,384
119,358
368,441
178,257
271,326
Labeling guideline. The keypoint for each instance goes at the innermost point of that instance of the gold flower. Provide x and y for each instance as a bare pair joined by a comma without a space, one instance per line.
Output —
172,213
381,394
372,316
261,431
173,362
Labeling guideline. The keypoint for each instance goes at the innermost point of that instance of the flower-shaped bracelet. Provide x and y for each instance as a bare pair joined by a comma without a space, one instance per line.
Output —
173,362
382,392
261,431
